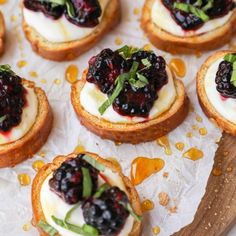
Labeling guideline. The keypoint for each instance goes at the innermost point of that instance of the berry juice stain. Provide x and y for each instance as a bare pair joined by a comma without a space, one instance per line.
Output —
143,167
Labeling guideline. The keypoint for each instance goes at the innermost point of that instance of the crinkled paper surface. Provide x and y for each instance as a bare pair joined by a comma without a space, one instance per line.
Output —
187,179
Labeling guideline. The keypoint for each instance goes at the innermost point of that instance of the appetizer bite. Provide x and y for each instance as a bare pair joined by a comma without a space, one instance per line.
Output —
129,95
25,118
62,30
216,89
83,194
184,26
2,33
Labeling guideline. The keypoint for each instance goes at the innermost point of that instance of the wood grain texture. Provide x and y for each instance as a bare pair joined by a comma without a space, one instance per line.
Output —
216,213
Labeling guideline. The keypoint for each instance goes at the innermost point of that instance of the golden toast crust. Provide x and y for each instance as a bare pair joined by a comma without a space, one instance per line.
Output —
49,168
25,147
175,44
207,107
73,49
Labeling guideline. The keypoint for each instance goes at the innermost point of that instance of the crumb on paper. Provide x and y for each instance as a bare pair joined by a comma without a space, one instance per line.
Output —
166,174
173,209
163,198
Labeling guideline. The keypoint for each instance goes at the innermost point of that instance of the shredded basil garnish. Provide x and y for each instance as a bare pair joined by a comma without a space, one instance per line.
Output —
131,211
69,213
232,59
94,163
6,68
101,189
47,228
2,118
87,183
126,51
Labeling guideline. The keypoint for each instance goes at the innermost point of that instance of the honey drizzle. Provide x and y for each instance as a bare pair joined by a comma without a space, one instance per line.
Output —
179,146
71,74
24,179
193,154
37,165
164,142
177,65
143,167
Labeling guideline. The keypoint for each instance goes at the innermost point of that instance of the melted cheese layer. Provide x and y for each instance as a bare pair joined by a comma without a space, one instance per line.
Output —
28,118
53,205
91,98
162,18
60,30
225,107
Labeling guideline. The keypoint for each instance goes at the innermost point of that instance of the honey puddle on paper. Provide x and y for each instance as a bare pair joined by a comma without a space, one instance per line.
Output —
71,74
193,154
178,66
143,167
164,142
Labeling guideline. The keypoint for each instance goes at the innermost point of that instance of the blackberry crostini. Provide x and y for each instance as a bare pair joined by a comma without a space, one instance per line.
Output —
83,194
188,26
129,95
72,26
216,88
25,118
2,33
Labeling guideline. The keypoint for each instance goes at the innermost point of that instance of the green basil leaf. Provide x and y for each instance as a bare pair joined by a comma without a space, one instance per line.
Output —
94,163
127,52
87,183
58,2
146,62
101,189
2,118
119,86
69,213
47,228
131,211
141,82
133,69
6,68
198,3
208,6
191,9
90,230
70,9
233,76
74,228
230,57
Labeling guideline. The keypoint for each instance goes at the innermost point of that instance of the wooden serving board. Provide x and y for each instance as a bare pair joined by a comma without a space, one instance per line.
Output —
216,213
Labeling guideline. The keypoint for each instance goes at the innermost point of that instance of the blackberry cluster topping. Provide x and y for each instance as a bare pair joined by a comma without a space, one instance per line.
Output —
130,77
83,13
226,77
12,98
67,180
107,213
192,14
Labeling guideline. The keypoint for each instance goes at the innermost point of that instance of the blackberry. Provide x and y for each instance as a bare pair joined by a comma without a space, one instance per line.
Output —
105,68
189,21
87,13
55,12
12,100
67,180
107,213
223,76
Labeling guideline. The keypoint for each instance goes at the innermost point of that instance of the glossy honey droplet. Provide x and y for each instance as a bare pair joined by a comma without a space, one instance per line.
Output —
147,205
118,41
203,131
33,74
57,81
198,118
189,135
164,142
43,81
26,227
136,11
79,148
37,165
24,179
156,230
179,146
194,127
21,63
71,74
193,154
115,162
177,65
13,18
217,171
143,167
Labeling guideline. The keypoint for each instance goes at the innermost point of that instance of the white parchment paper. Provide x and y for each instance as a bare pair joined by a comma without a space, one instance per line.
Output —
187,179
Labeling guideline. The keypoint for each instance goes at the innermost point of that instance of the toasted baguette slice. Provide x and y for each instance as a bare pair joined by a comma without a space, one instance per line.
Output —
49,168
2,33
25,147
137,132
71,50
175,44
206,105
